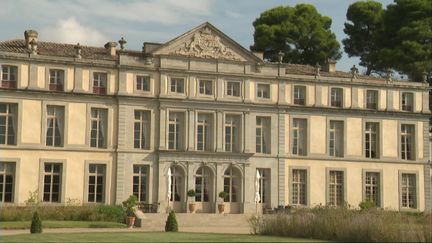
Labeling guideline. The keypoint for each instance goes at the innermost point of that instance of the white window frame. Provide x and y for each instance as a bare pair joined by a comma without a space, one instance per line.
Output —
262,135
337,96
368,99
336,138
230,88
175,121
144,128
368,143
56,76
297,129
372,187
203,188
57,118
143,182
414,190
204,139
331,183
142,79
51,174
100,170
407,99
299,93
13,166
100,119
407,141
203,85
231,123
7,75
174,85
263,91
10,114
234,186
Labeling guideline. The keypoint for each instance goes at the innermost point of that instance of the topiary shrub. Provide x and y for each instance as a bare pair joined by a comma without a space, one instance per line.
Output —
36,224
171,223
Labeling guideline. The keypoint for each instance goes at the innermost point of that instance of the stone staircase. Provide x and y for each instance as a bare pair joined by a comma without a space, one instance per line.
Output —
208,223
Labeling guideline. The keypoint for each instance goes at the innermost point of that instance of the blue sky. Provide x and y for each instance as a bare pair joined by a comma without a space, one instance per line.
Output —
95,22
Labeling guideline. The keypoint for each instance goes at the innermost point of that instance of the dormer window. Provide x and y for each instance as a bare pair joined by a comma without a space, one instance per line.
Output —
9,76
56,79
372,99
263,91
407,101
336,97
99,83
299,95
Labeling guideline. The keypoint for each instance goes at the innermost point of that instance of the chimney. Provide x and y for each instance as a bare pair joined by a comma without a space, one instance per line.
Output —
330,66
111,48
30,36
260,55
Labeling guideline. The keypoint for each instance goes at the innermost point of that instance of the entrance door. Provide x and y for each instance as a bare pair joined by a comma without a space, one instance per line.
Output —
177,190
204,190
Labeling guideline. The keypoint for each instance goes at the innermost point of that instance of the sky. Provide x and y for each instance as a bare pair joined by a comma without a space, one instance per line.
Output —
95,22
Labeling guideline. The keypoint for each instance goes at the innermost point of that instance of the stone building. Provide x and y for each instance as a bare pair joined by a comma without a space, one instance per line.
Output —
97,124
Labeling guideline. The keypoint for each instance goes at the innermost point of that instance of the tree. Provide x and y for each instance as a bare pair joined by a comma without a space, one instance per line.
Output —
36,224
365,20
300,32
171,223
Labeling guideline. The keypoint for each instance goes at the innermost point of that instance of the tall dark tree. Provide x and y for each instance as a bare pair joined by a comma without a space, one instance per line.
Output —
364,21
300,32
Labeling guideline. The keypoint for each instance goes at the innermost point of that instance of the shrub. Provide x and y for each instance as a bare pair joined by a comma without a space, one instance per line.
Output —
130,204
36,224
365,205
222,195
191,193
171,223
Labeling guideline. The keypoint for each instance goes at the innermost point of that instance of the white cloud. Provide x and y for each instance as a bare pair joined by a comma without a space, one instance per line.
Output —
71,31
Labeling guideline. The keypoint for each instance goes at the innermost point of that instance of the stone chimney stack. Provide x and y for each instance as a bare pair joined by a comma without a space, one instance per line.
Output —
330,66
30,36
111,48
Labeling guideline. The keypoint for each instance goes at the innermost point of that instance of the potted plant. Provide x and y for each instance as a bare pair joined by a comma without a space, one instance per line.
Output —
221,205
130,205
192,206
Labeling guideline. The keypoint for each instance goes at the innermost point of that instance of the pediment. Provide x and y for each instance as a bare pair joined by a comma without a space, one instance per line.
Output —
205,41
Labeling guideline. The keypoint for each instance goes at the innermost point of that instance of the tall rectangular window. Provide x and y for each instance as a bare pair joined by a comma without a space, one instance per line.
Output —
96,183
99,83
407,142
336,139
408,190
52,182
299,137
142,129
206,87
262,139
299,95
143,83
56,79
55,126
98,123
175,131
264,185
336,188
336,97
233,88
232,133
7,181
372,188
9,76
372,99
177,85
140,176
407,101
8,123
372,140
204,132
263,91
299,187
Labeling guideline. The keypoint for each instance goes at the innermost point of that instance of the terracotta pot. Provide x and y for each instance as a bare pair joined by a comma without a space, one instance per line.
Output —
221,208
192,207
130,222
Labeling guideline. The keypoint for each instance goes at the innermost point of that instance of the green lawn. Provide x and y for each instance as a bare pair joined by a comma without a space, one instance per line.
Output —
61,224
147,237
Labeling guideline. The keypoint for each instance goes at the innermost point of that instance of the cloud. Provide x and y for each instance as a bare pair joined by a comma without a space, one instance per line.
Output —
71,31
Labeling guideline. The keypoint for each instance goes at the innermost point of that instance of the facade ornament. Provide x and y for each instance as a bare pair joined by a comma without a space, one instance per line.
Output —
424,77
258,67
33,47
354,72
148,60
204,44
77,49
389,75
122,43
317,70
280,56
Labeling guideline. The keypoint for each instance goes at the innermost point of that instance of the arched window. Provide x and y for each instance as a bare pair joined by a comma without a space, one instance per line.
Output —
202,184
176,184
232,184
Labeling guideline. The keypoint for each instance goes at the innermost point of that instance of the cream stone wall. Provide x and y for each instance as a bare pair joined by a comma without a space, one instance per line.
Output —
31,121
77,124
390,138
24,78
354,135
317,137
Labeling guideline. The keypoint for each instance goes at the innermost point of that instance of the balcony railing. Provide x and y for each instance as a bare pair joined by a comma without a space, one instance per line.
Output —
56,87
99,90
8,84
336,103
299,101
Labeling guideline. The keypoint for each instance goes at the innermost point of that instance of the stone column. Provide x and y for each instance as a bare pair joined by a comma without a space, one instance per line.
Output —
281,161
162,128
249,134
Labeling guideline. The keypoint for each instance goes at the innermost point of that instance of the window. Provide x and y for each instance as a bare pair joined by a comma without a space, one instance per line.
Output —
56,79
98,120
177,85
264,178
8,121
175,132
408,191
299,137
176,184
143,83
55,126
336,188
233,89
263,135
206,87
202,184
139,184
372,188
99,83
372,140
232,133
407,101
336,139
372,99
298,187
9,76
7,181
232,184
263,91
204,132
96,183
336,97
52,182
142,129
299,95
407,142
